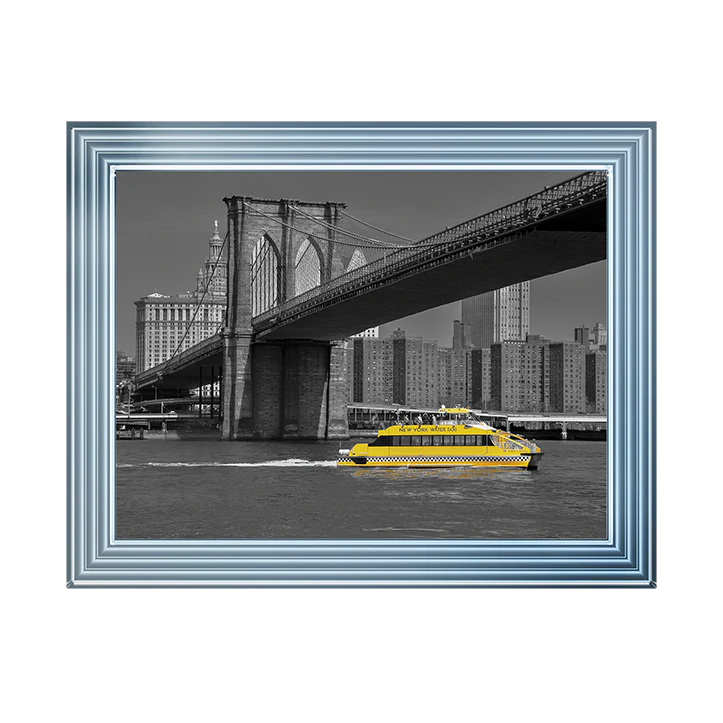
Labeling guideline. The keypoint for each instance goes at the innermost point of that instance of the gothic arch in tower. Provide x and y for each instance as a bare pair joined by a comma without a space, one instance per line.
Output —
357,259
307,267
265,275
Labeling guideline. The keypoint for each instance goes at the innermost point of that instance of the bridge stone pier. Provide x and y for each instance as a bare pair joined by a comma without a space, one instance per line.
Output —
295,388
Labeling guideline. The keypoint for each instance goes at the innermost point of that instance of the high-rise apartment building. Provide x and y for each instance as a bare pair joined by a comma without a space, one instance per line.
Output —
454,377
567,377
372,333
415,365
599,336
498,316
480,379
372,370
166,325
518,373
596,382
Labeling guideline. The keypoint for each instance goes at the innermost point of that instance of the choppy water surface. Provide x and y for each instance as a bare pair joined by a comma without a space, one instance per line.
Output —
213,490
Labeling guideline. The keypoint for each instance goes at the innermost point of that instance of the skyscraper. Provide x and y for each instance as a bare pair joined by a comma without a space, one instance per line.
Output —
167,324
582,336
500,315
462,336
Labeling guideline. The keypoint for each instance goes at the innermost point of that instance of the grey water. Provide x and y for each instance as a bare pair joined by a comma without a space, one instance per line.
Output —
276,490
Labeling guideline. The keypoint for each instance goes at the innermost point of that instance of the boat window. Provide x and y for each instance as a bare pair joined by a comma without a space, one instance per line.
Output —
415,441
427,441
380,442
396,441
449,440
438,440
459,440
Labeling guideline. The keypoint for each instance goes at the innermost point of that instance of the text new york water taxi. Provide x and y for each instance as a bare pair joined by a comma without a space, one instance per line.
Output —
458,438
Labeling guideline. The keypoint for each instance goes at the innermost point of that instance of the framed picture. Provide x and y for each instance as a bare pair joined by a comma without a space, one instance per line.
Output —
414,354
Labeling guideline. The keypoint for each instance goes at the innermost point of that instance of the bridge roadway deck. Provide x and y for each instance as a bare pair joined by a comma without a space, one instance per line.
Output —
178,375
564,242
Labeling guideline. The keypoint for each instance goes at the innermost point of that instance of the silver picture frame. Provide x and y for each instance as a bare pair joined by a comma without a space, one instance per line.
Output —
96,151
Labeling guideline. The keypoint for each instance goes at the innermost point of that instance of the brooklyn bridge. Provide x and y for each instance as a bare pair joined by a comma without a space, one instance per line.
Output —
299,284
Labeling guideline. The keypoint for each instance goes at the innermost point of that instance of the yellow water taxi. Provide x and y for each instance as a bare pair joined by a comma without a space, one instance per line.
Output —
456,438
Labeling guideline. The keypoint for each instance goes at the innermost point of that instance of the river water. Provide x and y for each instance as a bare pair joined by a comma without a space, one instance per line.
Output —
277,490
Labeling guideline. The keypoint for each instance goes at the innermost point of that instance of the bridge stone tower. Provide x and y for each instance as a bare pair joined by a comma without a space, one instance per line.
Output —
291,389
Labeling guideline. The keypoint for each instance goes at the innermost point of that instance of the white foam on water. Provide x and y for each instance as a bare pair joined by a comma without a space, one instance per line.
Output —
270,463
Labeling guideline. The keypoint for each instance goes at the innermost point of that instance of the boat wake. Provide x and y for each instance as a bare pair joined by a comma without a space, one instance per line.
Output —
269,463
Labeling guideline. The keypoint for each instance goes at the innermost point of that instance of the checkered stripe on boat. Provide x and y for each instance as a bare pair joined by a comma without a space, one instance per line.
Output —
447,459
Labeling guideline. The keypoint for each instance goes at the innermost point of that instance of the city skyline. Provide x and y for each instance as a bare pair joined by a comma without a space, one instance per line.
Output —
163,222
534,374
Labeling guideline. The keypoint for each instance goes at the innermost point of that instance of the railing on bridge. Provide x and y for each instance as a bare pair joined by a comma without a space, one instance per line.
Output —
198,351
575,192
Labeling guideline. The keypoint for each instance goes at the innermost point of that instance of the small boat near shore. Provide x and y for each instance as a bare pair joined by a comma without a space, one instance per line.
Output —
456,438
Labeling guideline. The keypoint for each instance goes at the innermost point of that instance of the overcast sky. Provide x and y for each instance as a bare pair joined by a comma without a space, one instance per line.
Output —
164,221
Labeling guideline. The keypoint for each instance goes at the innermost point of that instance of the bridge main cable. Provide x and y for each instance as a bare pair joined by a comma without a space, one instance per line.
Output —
373,245
344,232
376,228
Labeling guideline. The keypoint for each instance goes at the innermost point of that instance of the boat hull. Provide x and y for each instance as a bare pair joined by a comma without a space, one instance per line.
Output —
524,461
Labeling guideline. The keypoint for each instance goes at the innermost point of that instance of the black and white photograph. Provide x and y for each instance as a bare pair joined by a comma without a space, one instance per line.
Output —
361,355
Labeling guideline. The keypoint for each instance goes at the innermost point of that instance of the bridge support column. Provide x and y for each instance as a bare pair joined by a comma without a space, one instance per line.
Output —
238,419
289,390
337,409
290,428
564,430
307,373
267,378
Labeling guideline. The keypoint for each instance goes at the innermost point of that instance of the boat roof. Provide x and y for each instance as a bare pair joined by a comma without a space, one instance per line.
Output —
460,428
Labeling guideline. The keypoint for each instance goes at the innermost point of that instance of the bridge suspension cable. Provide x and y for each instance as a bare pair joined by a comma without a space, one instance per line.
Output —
198,304
369,243
376,228
344,232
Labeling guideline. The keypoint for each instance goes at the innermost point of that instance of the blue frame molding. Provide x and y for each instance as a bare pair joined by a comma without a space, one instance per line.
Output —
625,558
